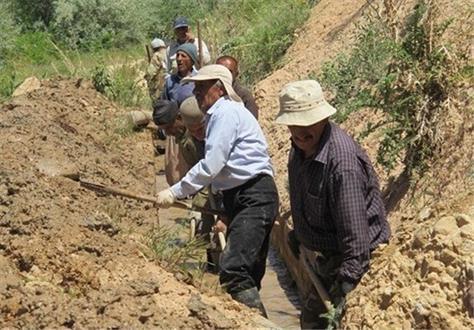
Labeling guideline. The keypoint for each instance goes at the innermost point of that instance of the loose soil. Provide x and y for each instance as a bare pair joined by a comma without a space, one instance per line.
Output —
72,258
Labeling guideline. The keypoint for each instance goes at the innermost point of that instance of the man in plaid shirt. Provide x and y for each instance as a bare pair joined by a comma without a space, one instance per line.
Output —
336,205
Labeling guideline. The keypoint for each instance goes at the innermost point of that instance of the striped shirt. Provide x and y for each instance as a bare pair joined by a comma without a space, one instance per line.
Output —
336,202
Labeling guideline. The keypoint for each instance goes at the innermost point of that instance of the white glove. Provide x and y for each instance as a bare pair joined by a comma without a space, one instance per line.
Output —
165,198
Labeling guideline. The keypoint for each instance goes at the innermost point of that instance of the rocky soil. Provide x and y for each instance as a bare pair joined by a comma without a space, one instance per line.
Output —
72,258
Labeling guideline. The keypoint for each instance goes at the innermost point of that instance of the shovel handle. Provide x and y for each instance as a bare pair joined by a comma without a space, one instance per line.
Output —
323,294
120,192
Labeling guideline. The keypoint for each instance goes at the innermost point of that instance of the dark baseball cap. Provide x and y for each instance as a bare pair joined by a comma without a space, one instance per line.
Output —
180,22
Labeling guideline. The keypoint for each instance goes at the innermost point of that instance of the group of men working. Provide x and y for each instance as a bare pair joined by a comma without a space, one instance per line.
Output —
337,209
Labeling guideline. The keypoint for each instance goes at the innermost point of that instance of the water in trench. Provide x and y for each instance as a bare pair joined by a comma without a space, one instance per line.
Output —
279,293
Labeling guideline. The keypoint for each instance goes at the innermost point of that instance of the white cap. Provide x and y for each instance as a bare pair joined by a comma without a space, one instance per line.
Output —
157,43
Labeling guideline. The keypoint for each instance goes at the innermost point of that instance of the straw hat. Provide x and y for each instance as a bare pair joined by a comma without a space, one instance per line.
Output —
302,103
215,72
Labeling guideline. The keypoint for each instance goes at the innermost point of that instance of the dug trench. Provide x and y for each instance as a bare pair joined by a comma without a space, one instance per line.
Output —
73,258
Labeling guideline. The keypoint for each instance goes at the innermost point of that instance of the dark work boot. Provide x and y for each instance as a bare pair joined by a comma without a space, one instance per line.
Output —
251,298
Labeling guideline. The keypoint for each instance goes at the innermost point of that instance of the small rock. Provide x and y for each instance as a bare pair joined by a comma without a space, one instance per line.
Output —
445,226
420,239
447,257
27,86
436,266
425,213
463,219
432,278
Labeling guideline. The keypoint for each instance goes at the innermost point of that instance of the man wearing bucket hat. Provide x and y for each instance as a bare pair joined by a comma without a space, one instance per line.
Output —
183,34
337,209
236,163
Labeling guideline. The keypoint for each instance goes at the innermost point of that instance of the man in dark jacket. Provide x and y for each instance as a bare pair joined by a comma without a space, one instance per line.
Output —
337,209
247,98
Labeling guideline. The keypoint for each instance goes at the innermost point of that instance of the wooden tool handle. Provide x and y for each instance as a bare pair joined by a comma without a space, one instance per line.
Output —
120,192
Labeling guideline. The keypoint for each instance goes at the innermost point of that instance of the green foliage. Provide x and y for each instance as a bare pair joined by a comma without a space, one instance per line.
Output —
36,47
33,14
254,32
410,79
8,31
120,84
95,24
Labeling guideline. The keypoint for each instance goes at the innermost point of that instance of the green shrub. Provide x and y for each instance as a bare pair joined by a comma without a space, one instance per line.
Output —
8,31
95,24
175,254
121,84
410,79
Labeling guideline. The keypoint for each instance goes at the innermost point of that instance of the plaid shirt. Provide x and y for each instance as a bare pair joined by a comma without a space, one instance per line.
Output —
336,202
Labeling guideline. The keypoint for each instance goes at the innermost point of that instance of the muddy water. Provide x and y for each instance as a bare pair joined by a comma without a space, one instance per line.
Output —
279,294
278,291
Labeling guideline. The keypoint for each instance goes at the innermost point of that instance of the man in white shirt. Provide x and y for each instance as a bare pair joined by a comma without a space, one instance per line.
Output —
236,163
183,34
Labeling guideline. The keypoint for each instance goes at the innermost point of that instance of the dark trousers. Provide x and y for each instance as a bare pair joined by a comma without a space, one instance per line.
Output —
326,267
252,209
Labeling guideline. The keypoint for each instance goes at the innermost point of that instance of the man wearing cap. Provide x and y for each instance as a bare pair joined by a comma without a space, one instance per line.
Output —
156,71
183,34
180,151
186,57
233,65
337,209
236,163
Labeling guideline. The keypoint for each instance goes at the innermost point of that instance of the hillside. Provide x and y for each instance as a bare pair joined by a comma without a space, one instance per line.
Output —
424,277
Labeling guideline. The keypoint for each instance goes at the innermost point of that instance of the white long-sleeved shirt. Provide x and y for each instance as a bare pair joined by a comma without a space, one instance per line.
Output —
235,151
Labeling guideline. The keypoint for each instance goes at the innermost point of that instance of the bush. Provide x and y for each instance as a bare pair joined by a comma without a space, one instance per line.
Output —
94,24
409,77
8,31
121,85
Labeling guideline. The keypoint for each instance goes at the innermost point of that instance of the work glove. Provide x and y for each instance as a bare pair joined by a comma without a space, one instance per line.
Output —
294,244
337,293
165,198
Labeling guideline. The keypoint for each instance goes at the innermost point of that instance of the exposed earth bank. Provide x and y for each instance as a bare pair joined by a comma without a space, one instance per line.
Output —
425,277
69,257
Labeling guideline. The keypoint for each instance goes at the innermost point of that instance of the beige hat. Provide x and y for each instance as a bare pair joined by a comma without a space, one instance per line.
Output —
302,103
215,72
190,112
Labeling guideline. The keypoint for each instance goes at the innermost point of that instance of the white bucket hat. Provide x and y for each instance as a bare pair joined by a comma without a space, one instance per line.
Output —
302,103
215,72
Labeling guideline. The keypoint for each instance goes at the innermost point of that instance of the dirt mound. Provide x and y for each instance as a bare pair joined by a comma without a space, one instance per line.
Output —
69,257
423,277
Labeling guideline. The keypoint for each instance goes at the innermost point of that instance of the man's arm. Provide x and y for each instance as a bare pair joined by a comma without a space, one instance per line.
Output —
220,138
349,212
